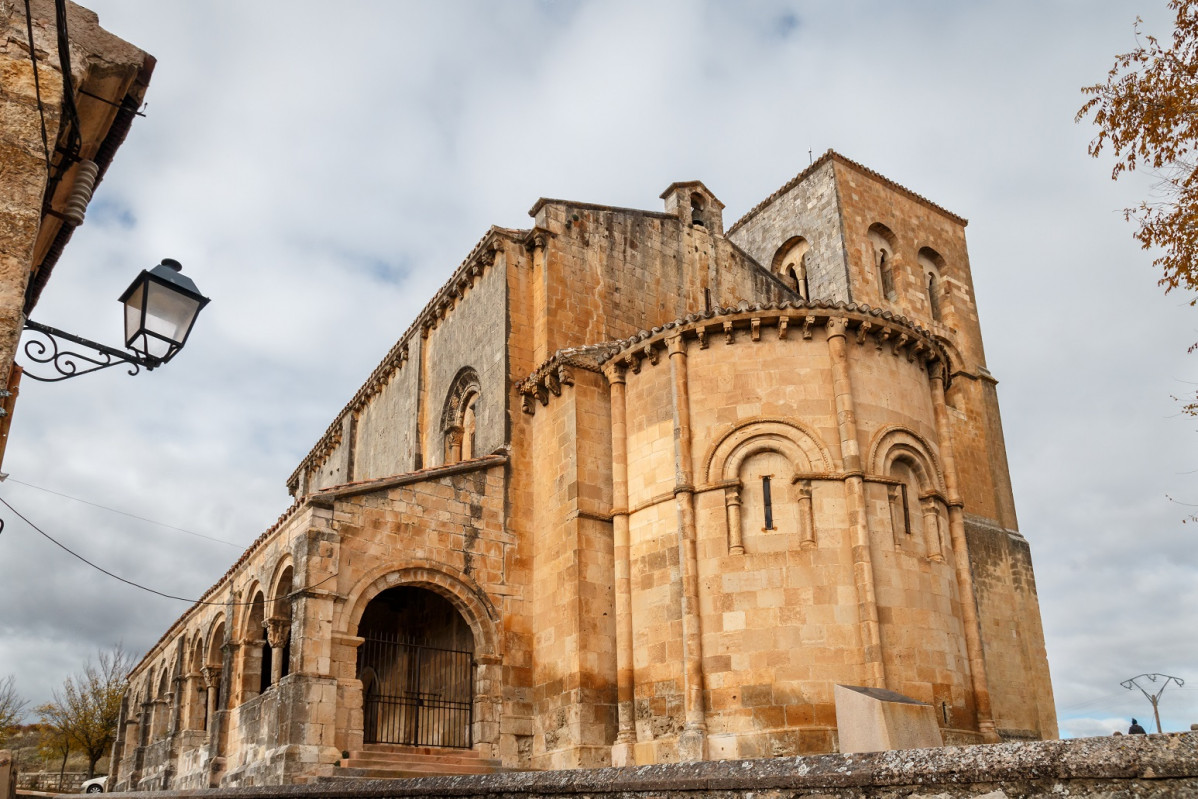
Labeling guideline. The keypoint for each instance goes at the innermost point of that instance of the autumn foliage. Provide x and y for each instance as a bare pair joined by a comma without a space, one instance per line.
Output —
1147,113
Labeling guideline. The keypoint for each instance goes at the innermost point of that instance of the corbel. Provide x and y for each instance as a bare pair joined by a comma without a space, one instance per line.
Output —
755,328
542,393
727,331
900,342
863,331
526,404
883,335
782,323
701,334
916,351
633,363
565,375
807,323
650,353
552,384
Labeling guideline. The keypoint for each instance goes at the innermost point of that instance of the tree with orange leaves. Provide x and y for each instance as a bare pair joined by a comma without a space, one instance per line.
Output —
1147,112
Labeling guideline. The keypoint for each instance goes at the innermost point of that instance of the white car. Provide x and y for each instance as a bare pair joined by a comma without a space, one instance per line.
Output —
97,785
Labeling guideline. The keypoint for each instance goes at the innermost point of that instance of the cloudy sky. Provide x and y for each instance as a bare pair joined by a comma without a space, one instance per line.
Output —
321,168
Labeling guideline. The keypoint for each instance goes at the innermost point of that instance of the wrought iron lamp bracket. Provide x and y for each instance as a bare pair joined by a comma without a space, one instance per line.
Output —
48,348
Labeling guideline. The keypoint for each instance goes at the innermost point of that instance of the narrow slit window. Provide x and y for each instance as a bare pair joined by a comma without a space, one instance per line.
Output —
769,506
906,509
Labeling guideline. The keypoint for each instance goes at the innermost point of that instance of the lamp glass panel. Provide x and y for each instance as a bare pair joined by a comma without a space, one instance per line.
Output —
133,307
169,316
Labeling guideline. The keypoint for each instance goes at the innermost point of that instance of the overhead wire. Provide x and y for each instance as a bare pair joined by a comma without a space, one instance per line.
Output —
137,585
235,545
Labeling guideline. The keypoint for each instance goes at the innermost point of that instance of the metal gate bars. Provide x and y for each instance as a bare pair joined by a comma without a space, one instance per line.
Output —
416,695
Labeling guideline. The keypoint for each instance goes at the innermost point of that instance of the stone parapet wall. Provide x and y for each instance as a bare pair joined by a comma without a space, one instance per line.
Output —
1141,766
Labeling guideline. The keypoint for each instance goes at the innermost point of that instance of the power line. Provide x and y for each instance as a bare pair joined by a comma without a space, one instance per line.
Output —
125,513
117,577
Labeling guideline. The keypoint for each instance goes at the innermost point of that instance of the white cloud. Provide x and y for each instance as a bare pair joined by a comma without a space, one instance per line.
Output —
320,170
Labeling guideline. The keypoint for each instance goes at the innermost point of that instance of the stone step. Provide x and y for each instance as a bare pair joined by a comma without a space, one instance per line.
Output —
383,761
416,764
401,773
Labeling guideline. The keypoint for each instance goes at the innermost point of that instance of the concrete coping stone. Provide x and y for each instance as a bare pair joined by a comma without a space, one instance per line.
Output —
1171,756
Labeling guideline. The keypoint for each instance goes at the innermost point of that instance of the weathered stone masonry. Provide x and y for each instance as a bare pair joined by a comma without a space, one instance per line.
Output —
661,485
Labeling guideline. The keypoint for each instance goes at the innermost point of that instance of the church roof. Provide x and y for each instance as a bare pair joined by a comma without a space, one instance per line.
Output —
832,155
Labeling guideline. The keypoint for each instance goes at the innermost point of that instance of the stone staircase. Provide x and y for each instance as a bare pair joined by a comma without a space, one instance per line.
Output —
392,761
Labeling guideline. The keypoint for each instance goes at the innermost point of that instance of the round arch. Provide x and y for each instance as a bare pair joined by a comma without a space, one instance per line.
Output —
462,592
899,443
797,441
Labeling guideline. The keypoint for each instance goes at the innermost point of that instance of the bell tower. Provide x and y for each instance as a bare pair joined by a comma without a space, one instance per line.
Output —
694,204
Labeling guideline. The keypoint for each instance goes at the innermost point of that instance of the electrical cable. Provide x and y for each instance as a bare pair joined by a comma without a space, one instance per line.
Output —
37,87
117,577
11,479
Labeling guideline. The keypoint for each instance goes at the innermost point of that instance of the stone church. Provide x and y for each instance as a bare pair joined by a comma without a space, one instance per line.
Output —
633,488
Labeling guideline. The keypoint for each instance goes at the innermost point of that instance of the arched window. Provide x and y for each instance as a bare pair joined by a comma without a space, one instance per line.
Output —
790,264
905,517
459,419
764,466
932,267
882,241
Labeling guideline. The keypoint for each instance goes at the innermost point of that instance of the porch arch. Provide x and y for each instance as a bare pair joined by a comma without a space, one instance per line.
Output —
462,592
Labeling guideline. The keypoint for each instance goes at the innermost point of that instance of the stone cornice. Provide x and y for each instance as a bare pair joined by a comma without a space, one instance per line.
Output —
747,321
327,496
442,303
558,371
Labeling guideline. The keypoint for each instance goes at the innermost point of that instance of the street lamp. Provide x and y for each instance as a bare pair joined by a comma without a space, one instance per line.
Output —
161,306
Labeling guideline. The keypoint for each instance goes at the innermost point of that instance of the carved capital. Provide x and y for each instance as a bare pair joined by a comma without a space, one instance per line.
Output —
732,495
836,326
936,370
211,676
454,436
614,371
277,632
676,345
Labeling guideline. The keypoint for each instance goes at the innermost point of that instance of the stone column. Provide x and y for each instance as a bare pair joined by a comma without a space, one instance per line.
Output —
277,632
806,514
454,438
931,529
692,742
211,676
623,753
736,542
854,490
961,562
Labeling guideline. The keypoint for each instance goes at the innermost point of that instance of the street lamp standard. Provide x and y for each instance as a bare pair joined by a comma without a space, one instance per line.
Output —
161,306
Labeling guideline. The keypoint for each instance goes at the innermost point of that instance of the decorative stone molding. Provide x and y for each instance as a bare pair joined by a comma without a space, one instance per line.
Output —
558,371
884,327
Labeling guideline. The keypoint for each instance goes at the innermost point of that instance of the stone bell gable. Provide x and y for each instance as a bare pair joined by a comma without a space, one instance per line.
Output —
631,490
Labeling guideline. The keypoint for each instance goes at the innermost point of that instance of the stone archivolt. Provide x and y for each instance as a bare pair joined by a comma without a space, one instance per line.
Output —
639,501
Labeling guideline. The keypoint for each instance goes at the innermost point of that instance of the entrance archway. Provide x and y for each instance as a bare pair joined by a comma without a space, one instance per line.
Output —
416,664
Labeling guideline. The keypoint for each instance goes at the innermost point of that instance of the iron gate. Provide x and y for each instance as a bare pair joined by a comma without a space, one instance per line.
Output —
416,695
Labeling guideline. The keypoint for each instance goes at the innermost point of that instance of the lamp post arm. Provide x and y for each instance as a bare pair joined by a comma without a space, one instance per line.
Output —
67,363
